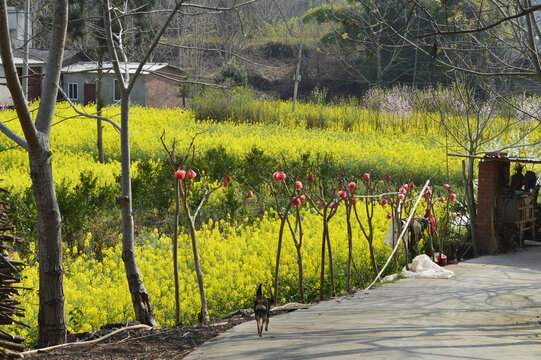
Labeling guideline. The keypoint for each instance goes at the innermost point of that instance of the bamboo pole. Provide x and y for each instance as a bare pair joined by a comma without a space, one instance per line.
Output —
401,235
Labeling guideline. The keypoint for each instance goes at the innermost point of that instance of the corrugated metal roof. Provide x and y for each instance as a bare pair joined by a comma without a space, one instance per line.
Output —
501,156
38,56
92,67
531,160
19,61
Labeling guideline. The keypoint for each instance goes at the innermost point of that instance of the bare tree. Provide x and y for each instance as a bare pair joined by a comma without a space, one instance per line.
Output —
494,41
118,30
492,45
362,37
475,125
503,37
51,317
115,42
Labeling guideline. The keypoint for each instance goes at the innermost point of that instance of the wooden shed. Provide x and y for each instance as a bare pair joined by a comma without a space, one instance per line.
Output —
507,203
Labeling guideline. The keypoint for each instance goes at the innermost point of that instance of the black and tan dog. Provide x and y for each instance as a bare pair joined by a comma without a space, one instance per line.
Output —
261,310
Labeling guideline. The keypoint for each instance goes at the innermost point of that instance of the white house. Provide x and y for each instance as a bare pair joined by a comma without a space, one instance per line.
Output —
156,86
35,71
16,27
36,65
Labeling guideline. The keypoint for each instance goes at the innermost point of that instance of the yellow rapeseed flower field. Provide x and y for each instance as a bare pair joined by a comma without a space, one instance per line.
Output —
73,143
235,256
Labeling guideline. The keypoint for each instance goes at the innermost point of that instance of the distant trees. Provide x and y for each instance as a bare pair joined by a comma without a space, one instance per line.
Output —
492,40
420,42
492,46
362,37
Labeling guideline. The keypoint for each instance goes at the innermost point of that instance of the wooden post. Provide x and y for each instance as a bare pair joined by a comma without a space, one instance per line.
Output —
26,47
297,78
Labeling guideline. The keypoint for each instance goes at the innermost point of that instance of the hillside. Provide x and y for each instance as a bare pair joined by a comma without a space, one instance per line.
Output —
280,62
270,69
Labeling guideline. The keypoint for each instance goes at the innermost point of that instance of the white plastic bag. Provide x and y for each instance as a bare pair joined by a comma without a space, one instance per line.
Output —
423,267
393,232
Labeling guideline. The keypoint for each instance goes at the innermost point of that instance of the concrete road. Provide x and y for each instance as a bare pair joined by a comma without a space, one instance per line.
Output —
490,310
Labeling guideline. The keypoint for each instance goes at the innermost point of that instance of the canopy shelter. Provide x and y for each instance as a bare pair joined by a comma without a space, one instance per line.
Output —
507,207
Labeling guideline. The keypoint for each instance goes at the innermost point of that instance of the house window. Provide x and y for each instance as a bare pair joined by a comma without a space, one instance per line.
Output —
116,90
73,91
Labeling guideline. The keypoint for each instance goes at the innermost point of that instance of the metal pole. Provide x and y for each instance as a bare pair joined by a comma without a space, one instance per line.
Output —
26,41
297,78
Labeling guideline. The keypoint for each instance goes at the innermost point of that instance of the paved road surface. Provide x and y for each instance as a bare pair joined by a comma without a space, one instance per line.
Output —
490,310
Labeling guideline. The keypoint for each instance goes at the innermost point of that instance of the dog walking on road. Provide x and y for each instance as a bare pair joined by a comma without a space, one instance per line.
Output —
261,310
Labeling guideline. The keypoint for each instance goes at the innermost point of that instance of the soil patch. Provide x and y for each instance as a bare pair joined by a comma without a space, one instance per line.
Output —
155,343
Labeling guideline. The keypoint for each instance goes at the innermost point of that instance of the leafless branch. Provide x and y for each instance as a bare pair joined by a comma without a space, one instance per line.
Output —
92,116
521,14
221,51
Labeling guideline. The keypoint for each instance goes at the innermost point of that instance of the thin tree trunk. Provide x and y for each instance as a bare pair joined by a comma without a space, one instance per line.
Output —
298,246
278,251
405,247
350,246
322,274
373,256
333,289
393,224
101,155
175,252
301,283
205,319
51,316
371,237
470,202
99,106
140,299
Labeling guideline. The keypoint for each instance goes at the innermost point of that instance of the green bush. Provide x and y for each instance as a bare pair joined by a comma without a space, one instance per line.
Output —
238,105
81,204
211,104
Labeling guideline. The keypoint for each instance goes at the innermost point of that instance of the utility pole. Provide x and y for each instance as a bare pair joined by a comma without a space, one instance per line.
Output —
297,78
26,41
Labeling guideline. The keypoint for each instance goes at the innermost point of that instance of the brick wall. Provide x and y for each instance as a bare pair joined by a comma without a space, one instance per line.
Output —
493,179
162,90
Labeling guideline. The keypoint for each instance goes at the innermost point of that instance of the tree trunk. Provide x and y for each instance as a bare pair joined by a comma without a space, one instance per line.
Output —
205,319
350,246
393,223
298,246
301,282
405,247
140,299
322,274
278,251
371,237
51,316
470,201
175,252
204,316
331,267
373,256
99,105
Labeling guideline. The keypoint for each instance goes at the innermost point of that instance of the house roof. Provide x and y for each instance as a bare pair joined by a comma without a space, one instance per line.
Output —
501,156
504,157
92,67
38,56
19,60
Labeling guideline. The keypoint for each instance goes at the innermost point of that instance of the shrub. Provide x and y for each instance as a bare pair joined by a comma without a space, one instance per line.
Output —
211,104
81,204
